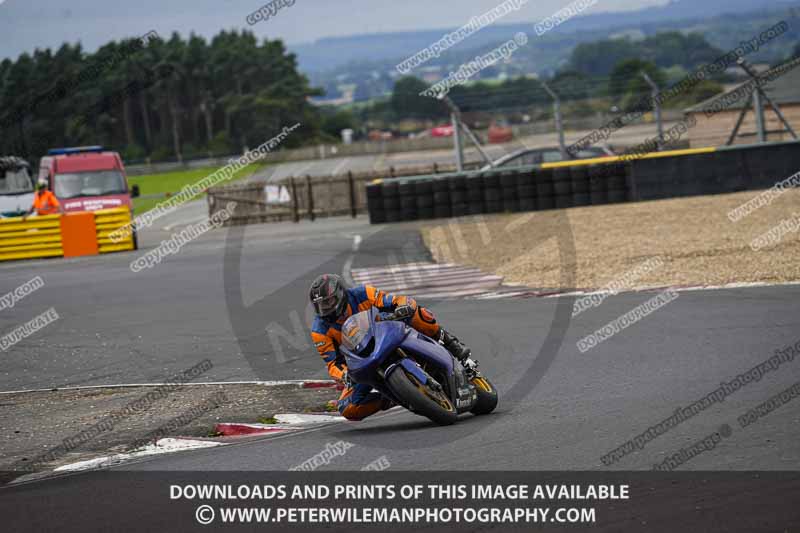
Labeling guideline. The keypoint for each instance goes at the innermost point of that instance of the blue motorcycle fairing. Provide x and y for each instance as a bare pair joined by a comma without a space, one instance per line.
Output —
428,350
411,367
369,345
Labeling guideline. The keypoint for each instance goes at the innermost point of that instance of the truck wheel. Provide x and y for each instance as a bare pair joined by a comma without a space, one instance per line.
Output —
422,399
487,396
135,237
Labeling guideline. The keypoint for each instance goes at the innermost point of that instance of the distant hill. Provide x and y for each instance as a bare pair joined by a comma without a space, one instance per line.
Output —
330,53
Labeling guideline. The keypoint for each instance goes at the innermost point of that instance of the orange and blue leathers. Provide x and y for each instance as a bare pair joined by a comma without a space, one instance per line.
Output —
358,402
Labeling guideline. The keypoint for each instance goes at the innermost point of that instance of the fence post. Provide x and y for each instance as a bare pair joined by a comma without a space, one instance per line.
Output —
352,185
557,116
656,108
295,204
310,198
435,168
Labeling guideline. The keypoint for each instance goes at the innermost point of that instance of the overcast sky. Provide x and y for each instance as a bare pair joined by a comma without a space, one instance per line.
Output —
27,24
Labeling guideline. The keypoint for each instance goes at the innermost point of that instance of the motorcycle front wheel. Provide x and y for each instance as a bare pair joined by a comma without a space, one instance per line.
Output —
487,396
422,399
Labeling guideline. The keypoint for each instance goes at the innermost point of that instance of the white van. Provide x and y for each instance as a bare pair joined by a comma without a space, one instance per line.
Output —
16,186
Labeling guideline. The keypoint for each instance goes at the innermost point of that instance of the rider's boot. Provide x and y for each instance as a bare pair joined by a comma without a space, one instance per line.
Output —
454,346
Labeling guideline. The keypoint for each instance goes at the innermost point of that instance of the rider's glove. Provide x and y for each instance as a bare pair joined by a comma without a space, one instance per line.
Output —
403,311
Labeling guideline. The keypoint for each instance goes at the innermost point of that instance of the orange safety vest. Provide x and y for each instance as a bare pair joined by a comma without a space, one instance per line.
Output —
45,203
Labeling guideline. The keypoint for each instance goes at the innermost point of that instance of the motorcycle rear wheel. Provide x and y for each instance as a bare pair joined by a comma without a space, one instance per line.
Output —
422,399
487,396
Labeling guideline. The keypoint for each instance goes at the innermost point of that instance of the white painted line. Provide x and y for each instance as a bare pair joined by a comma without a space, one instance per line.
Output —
298,382
341,165
305,419
167,445
185,222
348,265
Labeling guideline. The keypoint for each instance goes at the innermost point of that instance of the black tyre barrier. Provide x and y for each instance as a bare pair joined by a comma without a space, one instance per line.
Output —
491,181
408,202
580,179
409,214
597,178
727,169
425,201
407,189
441,198
425,213
703,180
390,189
598,197
423,187
492,195
755,164
511,205
526,191
377,217
730,172
460,210
616,180
391,202
476,208
475,196
564,201
597,184
581,199
494,207
442,211
617,196
527,204
562,181
508,179
393,215
457,183
545,202
475,182
544,182
458,197
440,185
509,193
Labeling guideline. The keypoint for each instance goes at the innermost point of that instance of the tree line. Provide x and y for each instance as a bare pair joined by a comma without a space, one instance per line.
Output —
159,98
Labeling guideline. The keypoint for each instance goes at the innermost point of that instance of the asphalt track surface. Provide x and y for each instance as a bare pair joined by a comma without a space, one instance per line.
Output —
559,409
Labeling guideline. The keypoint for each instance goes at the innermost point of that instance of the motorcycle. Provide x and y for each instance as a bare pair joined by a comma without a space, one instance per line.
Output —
412,369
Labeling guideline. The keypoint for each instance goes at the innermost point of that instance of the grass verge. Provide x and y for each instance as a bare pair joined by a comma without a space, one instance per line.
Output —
173,182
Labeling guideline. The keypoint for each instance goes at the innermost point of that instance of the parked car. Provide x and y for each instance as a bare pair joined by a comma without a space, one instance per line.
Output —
16,186
500,132
442,131
537,156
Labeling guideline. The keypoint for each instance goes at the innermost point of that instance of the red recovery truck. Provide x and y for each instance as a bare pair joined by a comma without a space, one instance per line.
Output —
87,178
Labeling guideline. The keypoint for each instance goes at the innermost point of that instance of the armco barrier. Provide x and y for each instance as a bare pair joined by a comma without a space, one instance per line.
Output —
70,235
599,181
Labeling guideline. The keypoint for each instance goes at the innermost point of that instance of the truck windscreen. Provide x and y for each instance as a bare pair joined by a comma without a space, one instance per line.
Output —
15,181
94,183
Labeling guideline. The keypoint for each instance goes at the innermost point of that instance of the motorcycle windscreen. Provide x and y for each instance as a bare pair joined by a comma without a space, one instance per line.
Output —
356,331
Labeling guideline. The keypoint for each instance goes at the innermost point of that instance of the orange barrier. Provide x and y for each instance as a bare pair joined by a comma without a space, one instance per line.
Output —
70,235
78,234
